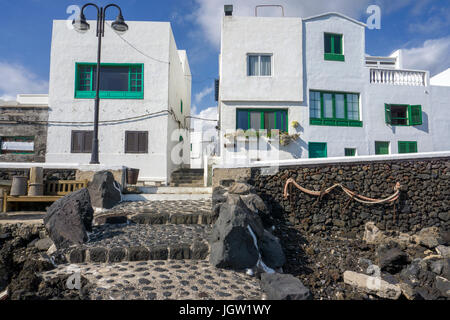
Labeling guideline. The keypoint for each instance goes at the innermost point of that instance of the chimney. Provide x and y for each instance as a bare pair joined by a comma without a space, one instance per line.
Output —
228,9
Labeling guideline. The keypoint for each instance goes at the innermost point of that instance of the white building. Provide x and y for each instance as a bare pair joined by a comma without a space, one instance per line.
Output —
145,97
203,143
278,70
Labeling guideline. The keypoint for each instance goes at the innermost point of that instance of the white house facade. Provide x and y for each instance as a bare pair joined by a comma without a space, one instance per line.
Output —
312,80
145,98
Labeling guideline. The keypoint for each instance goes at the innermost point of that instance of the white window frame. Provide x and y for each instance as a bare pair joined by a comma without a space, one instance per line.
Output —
259,64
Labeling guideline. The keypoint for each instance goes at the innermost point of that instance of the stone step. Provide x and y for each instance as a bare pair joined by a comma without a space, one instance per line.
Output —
141,242
152,216
166,197
176,190
186,185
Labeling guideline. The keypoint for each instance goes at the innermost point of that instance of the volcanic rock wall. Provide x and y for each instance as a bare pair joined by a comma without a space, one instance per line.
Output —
424,199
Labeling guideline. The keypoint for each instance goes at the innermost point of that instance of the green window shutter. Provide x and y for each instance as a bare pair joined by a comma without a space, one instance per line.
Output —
387,113
415,115
402,147
181,105
407,147
317,150
350,152
381,147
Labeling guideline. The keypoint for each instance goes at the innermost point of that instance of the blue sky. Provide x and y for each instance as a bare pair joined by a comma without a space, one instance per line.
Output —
422,27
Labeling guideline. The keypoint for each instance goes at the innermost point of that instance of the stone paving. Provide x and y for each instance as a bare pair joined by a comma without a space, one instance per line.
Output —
159,280
140,242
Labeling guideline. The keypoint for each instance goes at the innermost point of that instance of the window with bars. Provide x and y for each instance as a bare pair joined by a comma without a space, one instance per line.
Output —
81,141
334,109
117,81
407,147
136,141
262,119
403,115
333,47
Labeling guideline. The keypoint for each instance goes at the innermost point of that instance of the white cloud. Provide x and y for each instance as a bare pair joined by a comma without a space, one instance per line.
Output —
433,55
209,13
206,91
16,79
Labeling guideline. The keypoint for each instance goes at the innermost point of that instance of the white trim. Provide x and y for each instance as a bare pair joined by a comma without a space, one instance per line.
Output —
339,160
335,14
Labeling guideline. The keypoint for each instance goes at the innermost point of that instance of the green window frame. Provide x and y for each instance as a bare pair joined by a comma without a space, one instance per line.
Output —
350,152
181,106
317,150
84,81
413,115
344,110
407,147
381,147
333,47
262,116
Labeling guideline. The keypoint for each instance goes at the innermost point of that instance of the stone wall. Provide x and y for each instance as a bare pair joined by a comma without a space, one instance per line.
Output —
10,128
49,174
424,199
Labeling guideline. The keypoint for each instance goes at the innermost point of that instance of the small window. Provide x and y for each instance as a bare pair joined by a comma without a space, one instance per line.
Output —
16,145
117,81
82,141
403,115
333,47
181,106
350,152
317,150
407,147
381,147
136,141
259,65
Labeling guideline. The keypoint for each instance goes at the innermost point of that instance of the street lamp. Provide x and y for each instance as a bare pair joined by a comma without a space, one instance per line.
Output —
82,25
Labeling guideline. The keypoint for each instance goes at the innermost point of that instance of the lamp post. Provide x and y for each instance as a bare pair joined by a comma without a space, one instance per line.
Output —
81,24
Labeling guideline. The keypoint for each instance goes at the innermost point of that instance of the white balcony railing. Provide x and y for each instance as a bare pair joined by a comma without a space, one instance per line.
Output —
398,77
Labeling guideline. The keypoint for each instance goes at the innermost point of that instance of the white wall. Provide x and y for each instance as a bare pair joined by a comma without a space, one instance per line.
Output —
440,118
279,37
69,47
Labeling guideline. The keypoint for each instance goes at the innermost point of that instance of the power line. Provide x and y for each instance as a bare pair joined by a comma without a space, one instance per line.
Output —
204,119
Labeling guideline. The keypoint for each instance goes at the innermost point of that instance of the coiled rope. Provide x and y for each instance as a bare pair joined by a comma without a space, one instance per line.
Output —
353,195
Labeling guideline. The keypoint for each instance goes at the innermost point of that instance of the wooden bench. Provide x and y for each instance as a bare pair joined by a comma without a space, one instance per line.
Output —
53,190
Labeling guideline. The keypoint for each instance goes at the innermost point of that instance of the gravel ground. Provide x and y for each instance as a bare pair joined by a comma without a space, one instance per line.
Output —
158,280
319,260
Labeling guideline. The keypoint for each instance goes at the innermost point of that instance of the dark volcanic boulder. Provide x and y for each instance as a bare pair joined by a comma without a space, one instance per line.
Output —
391,258
241,188
104,190
283,287
232,245
271,251
69,218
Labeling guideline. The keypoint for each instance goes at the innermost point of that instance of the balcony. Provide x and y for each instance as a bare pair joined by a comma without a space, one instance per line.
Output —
398,77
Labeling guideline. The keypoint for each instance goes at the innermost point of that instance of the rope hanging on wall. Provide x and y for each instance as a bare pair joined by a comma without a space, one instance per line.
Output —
348,192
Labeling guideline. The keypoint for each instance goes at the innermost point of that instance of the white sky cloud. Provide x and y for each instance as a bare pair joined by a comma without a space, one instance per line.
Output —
433,55
15,79
208,113
200,95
